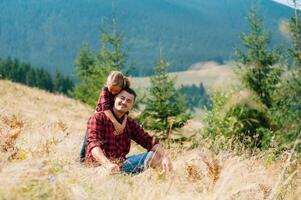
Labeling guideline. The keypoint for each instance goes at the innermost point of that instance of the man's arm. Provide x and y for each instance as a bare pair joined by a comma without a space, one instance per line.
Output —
94,139
151,144
140,136
99,156
164,158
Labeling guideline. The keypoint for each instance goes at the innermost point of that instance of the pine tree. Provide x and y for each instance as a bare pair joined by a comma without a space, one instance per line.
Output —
92,70
61,83
259,75
1,68
88,76
165,107
43,79
22,70
112,57
6,69
286,110
31,78
295,30
195,96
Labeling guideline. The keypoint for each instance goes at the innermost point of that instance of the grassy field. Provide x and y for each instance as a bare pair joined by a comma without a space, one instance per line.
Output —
211,74
40,139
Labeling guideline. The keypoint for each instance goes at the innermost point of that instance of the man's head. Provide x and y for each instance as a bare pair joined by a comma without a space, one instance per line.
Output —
125,100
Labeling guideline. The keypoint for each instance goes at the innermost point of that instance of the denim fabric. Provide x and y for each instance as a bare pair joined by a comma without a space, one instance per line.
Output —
82,153
136,163
133,164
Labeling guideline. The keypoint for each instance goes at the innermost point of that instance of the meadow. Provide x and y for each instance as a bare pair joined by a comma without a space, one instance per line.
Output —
41,135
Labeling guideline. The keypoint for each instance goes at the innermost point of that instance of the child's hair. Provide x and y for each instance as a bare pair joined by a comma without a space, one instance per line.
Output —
116,78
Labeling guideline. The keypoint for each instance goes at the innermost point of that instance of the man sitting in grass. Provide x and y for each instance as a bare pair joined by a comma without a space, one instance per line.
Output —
108,148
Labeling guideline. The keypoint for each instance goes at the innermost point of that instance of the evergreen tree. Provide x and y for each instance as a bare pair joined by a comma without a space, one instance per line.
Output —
1,68
295,30
43,80
85,69
196,96
259,74
31,78
112,57
14,75
84,62
7,65
92,70
22,70
164,105
286,111
61,83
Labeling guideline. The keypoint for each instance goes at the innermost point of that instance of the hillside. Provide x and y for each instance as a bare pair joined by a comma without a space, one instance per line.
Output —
41,134
289,3
50,33
211,74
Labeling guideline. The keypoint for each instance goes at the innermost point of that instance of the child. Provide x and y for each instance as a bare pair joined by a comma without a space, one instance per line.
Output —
116,81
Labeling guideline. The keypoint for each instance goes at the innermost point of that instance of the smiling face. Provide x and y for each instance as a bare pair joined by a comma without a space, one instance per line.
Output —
124,102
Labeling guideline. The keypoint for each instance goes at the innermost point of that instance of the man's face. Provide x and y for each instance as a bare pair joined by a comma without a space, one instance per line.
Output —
124,101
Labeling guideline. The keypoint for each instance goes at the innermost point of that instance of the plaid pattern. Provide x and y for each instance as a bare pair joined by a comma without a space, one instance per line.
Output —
105,100
100,132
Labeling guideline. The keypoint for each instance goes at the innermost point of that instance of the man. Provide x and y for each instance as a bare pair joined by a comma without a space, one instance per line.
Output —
106,147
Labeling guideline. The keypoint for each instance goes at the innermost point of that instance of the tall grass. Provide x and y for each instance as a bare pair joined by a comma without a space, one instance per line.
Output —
51,137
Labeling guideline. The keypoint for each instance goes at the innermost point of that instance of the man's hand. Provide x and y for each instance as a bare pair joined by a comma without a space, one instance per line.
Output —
108,166
112,168
166,164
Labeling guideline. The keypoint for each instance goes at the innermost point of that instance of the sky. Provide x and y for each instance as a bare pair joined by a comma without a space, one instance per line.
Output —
289,3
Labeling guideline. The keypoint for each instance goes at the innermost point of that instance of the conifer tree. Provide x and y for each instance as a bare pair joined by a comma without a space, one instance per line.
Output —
259,74
165,107
287,98
295,30
92,69
43,80
61,83
31,78
85,69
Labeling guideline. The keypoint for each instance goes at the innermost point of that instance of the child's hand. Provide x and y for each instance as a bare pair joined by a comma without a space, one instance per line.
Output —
118,127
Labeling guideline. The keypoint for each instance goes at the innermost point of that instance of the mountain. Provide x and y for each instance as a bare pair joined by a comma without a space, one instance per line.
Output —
49,33
289,3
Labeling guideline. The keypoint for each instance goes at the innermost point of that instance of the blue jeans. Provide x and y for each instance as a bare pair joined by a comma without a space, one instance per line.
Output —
136,163
82,153
133,164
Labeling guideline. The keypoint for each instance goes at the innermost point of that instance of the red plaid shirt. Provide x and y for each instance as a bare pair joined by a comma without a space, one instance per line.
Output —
105,100
100,133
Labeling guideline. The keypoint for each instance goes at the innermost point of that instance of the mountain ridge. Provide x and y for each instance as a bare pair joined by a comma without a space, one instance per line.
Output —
50,33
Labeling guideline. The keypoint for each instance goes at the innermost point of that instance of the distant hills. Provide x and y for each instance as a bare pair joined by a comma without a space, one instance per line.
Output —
49,33
289,3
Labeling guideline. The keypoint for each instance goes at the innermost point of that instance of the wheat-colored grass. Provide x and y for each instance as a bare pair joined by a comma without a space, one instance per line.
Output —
211,74
41,135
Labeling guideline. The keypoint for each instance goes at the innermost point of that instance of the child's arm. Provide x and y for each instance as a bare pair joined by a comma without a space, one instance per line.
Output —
104,100
118,127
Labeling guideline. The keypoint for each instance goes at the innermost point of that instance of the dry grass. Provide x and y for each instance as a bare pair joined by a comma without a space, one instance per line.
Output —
210,74
47,132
